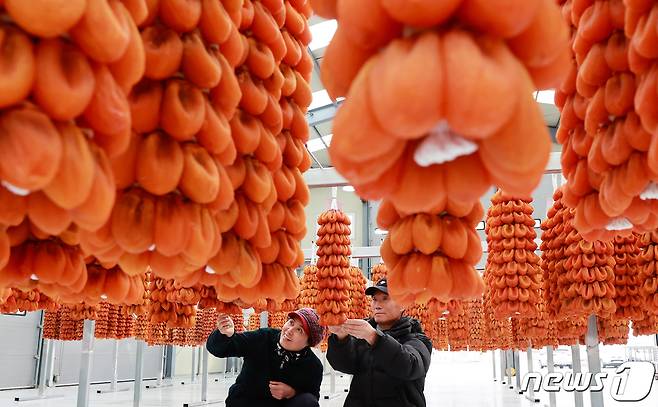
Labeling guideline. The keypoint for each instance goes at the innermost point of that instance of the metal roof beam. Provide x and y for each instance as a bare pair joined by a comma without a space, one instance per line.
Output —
322,114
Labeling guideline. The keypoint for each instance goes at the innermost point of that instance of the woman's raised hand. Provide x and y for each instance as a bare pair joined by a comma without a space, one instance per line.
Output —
225,325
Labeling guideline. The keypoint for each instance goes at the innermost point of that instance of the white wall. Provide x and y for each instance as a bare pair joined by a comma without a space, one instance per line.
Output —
67,361
320,201
18,346
183,366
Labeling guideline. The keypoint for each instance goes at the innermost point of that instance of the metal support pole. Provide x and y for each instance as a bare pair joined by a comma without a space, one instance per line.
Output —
503,366
198,362
493,363
115,366
593,358
204,376
577,368
332,382
530,395
193,378
517,367
170,361
162,368
332,379
43,367
60,361
139,373
162,372
229,365
85,362
509,357
550,364
51,363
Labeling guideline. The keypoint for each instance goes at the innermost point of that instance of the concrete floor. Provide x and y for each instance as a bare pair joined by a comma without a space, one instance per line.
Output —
454,380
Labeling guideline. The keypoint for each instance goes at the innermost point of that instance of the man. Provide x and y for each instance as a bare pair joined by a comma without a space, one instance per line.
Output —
388,354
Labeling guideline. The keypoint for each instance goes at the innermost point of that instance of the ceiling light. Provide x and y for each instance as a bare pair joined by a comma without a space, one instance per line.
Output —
316,144
480,225
322,34
348,188
320,99
545,96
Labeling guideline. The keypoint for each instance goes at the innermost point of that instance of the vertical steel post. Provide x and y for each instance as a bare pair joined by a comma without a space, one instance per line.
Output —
517,367
577,368
161,371
550,363
115,366
509,357
593,358
193,377
85,362
204,376
531,368
43,367
51,362
493,364
198,360
139,374
503,366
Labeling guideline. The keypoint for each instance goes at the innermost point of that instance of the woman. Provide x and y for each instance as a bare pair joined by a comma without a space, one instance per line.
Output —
279,369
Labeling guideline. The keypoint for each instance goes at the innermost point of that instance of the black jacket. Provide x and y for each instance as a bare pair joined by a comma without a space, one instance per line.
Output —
390,373
262,365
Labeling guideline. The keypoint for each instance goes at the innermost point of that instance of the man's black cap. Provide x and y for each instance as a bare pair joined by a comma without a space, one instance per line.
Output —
382,286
